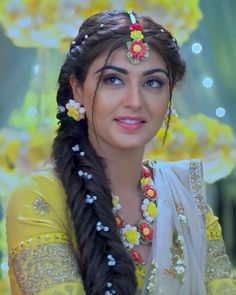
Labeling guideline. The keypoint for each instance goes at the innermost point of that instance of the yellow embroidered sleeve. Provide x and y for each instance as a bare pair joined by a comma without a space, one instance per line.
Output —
42,258
219,277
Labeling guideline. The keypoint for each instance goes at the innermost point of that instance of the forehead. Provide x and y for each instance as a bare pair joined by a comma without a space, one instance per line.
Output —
119,58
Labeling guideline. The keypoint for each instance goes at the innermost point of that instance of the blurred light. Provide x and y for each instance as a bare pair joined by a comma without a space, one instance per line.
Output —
48,121
4,266
196,48
32,111
36,69
14,32
220,112
44,39
207,82
24,22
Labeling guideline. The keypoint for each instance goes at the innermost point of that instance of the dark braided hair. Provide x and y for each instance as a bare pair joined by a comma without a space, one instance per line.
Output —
102,32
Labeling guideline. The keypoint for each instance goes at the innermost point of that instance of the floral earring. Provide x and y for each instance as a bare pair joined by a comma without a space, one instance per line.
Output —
173,115
75,110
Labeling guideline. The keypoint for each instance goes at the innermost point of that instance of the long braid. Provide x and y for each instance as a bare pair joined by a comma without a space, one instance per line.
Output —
97,246
94,247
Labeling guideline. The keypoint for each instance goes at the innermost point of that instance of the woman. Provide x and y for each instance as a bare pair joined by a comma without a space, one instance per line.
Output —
99,220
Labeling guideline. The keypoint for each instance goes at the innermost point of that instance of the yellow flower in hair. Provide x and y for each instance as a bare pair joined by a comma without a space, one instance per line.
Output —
136,35
73,113
74,110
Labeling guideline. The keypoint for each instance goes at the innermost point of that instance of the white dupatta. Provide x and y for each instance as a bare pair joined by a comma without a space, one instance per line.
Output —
178,258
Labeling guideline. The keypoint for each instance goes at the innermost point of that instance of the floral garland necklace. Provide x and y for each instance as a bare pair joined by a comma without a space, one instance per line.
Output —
142,231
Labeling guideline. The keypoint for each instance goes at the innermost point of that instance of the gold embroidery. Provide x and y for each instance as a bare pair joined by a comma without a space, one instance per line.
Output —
152,280
218,264
140,272
223,289
39,240
44,266
182,217
196,185
177,269
214,235
68,290
40,206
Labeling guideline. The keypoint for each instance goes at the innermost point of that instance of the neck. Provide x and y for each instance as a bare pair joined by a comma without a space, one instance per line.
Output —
123,169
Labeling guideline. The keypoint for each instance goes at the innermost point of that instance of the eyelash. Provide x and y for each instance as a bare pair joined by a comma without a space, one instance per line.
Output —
108,80
160,83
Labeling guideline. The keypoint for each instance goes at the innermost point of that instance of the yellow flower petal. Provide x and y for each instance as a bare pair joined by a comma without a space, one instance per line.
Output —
131,236
136,35
152,209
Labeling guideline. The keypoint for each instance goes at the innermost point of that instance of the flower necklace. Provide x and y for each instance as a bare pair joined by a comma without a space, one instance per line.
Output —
142,231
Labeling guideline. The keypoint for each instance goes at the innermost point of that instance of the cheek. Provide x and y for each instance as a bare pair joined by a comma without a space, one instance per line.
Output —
159,109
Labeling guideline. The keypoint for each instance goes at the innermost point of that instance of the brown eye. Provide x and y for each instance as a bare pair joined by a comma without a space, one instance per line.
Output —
112,80
154,83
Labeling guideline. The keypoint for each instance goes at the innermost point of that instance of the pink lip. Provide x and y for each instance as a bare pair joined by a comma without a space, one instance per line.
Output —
130,126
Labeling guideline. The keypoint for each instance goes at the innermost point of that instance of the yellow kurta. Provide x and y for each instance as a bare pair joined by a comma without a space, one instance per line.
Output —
42,244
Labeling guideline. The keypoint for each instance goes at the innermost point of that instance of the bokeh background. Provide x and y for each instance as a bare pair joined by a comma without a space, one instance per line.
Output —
34,37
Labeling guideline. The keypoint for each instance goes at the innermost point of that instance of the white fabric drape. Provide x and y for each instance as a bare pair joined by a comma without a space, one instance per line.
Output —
179,185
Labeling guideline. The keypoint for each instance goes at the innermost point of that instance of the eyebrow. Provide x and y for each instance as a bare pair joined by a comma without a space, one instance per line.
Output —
125,72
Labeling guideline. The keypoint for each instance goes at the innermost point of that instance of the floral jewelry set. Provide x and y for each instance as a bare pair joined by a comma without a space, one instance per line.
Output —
142,232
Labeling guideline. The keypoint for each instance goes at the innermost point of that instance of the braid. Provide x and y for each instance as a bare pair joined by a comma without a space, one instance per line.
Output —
94,246
102,259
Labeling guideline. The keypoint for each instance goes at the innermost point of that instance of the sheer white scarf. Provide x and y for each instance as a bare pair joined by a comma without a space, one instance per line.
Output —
179,185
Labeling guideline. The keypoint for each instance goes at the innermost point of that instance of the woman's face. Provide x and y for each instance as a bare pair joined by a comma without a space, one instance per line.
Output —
131,100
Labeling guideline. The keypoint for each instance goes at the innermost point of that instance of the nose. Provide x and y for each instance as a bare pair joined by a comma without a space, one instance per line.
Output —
133,97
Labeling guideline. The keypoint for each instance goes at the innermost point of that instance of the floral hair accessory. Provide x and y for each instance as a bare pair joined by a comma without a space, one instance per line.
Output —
111,260
137,49
90,199
85,174
75,110
101,227
61,109
76,149
110,291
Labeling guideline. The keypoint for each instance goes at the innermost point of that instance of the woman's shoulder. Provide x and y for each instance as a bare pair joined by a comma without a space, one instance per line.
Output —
42,186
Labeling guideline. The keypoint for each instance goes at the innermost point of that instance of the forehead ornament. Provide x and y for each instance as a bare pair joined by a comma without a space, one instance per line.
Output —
137,49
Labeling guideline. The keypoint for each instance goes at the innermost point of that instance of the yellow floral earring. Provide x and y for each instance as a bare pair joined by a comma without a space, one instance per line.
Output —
75,110
173,116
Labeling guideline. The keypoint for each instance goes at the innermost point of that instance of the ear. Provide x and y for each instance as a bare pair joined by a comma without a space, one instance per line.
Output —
76,89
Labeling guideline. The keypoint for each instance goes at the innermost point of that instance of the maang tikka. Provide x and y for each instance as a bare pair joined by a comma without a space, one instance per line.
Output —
137,49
